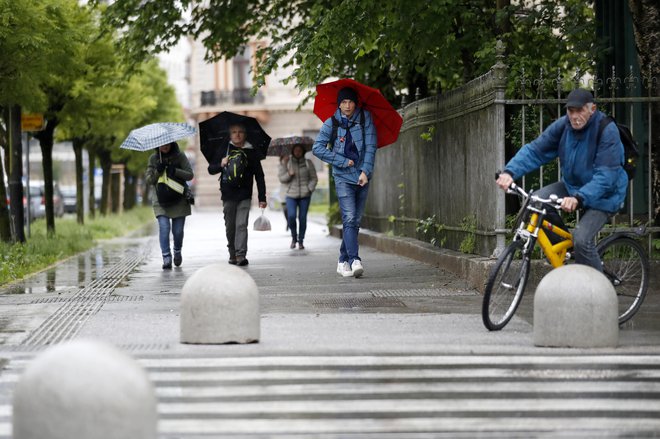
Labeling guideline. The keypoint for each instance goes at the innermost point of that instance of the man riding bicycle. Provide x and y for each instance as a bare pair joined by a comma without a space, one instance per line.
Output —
593,178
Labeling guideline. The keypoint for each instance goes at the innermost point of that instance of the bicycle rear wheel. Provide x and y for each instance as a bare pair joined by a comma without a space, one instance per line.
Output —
505,286
625,264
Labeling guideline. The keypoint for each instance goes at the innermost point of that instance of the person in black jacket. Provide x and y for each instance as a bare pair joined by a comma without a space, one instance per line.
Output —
237,193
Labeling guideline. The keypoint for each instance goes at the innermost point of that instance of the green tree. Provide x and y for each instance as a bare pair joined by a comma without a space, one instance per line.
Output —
162,106
37,39
95,107
76,27
396,45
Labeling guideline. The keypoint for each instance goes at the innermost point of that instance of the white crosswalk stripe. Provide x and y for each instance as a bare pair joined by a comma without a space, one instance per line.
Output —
395,395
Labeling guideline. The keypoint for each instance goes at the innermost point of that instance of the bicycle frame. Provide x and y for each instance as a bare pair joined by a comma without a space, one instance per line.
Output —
556,253
537,226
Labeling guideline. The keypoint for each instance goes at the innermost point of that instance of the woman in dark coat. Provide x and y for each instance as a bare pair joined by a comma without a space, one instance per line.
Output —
170,208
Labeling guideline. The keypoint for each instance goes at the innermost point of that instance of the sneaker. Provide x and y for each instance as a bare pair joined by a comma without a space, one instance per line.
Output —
343,269
357,268
177,259
167,262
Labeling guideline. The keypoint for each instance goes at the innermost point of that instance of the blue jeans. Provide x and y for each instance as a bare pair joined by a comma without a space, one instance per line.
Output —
176,226
584,234
352,200
301,205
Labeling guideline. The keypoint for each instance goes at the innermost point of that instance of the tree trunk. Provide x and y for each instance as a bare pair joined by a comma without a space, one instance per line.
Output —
106,165
5,229
46,142
92,183
80,205
646,25
130,190
16,173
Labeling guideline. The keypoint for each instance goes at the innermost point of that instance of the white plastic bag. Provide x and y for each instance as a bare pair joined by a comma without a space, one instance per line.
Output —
262,224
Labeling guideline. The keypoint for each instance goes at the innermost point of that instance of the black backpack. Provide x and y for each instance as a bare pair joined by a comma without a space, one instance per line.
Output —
166,195
233,173
630,150
335,126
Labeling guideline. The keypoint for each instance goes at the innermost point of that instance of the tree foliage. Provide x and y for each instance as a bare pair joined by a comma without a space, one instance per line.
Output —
58,61
397,46
34,41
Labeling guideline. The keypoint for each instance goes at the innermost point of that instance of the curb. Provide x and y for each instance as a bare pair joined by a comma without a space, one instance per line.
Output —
474,269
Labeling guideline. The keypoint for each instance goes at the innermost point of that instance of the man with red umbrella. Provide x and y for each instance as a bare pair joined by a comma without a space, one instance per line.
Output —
347,141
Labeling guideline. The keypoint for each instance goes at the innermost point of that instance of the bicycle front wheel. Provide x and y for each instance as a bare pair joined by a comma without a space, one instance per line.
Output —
505,286
625,264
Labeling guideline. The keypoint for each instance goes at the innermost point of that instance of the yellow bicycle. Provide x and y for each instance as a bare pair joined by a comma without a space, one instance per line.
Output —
624,261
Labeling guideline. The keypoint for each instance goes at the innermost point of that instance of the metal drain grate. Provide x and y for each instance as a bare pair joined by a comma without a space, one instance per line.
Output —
422,292
359,302
67,320
145,347
73,299
113,298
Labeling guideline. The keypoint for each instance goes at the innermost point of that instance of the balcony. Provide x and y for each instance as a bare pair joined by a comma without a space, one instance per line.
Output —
238,96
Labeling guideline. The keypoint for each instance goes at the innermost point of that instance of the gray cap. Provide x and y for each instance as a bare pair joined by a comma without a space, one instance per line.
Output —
578,98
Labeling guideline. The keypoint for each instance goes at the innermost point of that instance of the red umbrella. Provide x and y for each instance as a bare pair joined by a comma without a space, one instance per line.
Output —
386,119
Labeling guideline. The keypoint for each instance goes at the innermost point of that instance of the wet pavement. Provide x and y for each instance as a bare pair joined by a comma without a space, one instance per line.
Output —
420,322
397,295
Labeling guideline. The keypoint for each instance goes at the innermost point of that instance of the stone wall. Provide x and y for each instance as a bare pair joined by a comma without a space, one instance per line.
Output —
450,176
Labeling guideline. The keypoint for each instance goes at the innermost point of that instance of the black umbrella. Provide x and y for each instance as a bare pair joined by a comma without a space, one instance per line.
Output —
214,134
283,145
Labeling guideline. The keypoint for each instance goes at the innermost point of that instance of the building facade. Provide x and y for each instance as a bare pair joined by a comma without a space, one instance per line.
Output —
226,85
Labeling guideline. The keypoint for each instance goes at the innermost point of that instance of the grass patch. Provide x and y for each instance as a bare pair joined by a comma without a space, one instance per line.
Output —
40,251
318,208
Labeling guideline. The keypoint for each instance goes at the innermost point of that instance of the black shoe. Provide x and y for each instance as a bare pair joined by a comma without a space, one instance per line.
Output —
232,261
177,259
293,243
301,246
167,262
242,262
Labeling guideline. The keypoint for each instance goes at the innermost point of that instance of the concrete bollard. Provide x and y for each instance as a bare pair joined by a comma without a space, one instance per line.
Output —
576,306
84,389
220,304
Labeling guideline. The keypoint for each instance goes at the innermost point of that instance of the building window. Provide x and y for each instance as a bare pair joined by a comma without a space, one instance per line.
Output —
242,79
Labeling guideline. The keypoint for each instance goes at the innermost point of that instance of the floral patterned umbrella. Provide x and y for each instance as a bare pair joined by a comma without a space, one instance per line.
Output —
282,145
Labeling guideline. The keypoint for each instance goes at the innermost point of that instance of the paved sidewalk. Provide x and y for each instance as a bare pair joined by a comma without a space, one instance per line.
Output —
399,305
398,353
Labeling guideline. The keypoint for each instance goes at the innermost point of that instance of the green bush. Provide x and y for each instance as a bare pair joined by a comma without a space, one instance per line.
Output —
334,214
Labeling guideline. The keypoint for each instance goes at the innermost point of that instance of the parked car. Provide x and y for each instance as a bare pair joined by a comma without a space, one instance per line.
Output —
38,200
69,198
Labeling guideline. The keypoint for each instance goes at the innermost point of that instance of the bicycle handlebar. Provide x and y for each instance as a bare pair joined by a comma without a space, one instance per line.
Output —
553,200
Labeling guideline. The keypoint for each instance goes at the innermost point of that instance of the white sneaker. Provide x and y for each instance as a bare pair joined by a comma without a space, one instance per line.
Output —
357,268
343,269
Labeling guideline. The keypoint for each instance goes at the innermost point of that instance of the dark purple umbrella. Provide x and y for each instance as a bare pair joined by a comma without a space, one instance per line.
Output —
283,145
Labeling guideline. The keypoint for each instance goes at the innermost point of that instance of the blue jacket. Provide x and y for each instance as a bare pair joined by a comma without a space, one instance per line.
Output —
593,173
335,156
